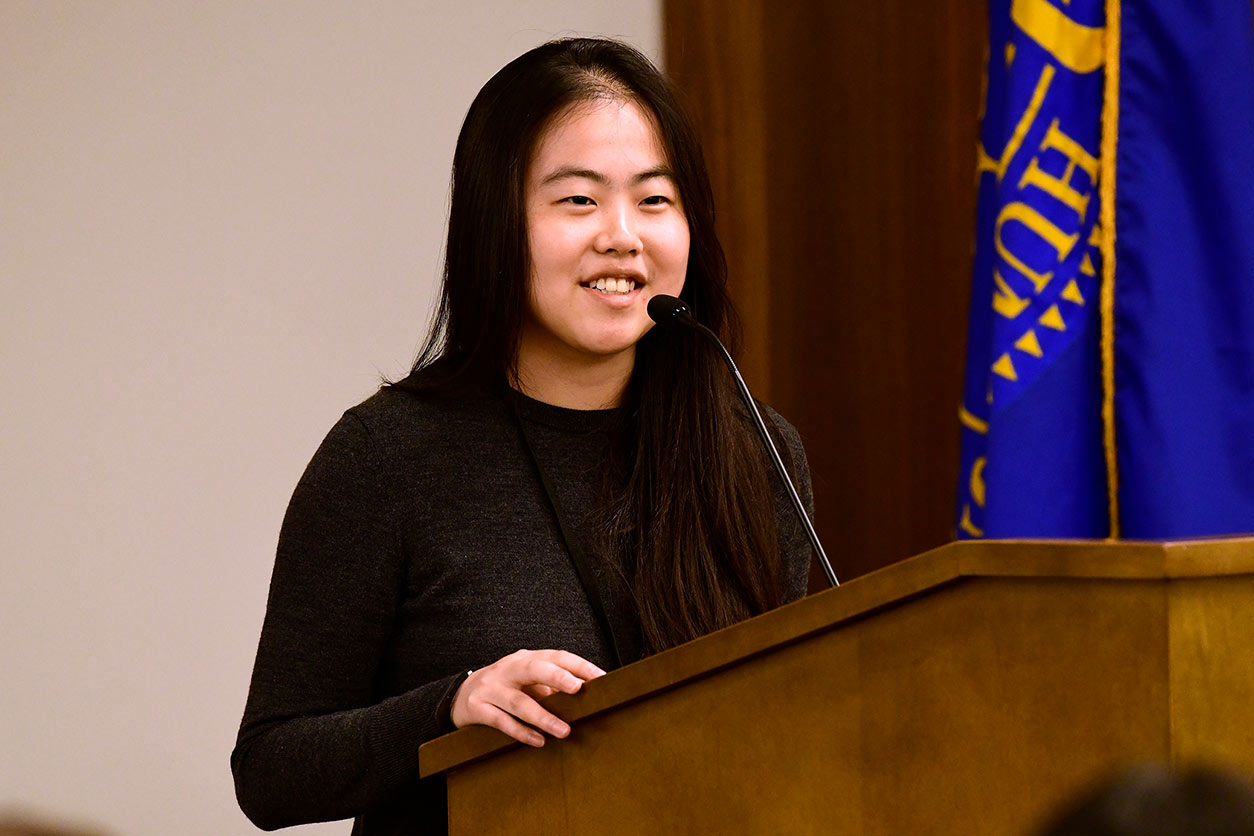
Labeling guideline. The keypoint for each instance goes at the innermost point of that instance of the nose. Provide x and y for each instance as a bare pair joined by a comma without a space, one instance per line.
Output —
618,234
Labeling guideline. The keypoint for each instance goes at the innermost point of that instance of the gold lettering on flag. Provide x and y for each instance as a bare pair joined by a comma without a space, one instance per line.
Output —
1077,47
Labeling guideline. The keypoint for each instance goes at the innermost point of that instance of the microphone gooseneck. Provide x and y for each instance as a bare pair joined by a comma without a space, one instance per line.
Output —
668,310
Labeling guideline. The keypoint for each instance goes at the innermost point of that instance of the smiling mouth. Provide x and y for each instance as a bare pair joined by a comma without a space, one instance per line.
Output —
618,286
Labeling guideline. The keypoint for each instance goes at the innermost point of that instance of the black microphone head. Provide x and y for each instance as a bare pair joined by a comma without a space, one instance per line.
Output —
667,309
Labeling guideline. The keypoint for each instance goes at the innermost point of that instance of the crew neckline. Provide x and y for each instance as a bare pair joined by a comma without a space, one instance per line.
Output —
564,417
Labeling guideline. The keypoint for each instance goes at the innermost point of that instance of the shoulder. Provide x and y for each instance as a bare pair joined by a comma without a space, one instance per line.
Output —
407,410
778,422
397,437
782,430
402,431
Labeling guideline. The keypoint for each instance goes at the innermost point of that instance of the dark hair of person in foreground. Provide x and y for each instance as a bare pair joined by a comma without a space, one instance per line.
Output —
692,527
1156,801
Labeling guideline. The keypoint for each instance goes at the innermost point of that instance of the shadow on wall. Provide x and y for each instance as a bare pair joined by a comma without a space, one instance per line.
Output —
24,823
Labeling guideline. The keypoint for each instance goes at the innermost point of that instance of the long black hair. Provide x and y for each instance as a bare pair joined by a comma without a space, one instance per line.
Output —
693,530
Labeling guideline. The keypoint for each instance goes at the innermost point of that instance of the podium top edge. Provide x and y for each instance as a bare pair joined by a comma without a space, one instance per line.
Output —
1112,559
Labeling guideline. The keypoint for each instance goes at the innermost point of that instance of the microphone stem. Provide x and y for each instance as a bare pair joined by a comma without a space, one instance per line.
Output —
760,425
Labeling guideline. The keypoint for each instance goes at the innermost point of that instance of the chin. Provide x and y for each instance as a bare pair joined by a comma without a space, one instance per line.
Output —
606,348
615,340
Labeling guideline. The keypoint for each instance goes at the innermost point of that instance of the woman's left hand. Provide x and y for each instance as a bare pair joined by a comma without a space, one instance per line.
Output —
503,695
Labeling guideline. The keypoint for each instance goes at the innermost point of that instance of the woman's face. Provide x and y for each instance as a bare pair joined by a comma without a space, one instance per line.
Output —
607,232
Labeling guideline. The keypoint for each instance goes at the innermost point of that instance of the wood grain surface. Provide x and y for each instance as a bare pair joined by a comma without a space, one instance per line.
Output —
841,140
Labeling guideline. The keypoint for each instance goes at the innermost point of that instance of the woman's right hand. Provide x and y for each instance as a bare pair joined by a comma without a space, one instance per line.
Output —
503,695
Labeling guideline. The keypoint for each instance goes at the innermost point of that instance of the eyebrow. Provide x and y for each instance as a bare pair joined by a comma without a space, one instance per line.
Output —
597,177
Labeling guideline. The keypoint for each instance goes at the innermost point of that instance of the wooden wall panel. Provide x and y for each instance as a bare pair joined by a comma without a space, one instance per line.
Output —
841,139
715,50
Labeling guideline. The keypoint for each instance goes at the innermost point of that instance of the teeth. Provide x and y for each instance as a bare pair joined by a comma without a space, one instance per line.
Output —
614,285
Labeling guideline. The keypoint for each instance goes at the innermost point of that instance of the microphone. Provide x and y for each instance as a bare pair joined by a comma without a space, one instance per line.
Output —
667,310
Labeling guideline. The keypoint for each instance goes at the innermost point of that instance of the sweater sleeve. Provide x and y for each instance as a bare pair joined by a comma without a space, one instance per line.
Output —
314,744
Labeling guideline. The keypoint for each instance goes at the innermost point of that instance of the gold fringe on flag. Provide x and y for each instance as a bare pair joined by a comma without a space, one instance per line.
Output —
1110,137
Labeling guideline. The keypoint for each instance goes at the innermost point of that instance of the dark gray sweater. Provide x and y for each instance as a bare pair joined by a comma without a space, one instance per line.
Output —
418,544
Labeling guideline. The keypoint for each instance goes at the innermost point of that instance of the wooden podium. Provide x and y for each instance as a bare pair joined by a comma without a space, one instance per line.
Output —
968,690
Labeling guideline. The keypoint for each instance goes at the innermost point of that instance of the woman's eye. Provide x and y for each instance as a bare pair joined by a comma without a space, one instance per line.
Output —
656,200
579,200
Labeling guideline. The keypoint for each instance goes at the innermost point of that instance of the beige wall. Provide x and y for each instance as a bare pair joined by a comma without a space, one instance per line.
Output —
219,223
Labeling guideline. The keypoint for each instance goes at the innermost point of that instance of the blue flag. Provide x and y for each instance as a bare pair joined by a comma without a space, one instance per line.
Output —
1184,269
1110,360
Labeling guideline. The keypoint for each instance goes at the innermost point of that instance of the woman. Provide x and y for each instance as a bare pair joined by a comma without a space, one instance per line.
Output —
553,474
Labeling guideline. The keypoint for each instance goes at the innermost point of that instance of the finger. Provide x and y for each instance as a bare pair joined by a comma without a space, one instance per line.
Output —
577,665
539,691
529,711
502,720
539,671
